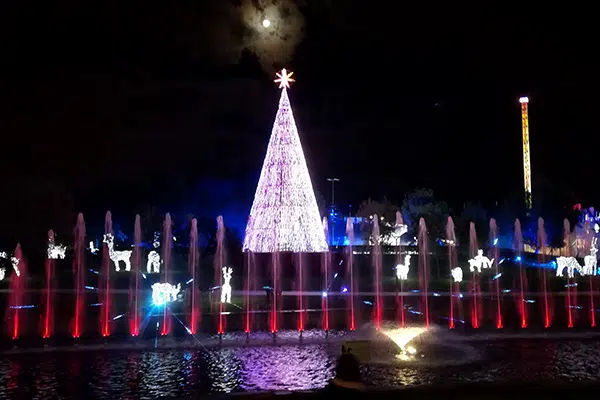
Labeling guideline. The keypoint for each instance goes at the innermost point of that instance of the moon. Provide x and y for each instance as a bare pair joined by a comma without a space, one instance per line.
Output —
266,23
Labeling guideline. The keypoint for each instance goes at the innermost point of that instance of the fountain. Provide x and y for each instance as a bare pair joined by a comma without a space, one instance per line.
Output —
276,289
300,295
350,275
399,296
220,261
455,282
166,270
518,247
377,260
424,270
477,301
134,289
48,300
249,287
79,276
194,313
325,267
495,257
105,289
547,310
18,288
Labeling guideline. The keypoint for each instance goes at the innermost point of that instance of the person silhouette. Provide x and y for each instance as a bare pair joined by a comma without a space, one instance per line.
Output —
347,374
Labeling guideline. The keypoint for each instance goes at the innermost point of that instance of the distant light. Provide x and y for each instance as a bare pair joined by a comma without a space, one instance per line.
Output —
495,241
518,258
266,23
344,289
324,294
335,275
524,100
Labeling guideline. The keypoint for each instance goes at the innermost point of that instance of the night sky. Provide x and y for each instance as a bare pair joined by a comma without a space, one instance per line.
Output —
131,105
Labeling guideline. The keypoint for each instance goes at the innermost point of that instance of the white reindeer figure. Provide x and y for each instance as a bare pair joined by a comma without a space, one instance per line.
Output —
55,251
457,274
571,264
154,261
590,263
226,288
480,262
117,256
163,293
402,269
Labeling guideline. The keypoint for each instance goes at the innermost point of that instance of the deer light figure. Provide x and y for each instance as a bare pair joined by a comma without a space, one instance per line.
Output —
402,269
226,288
457,274
480,262
571,264
117,256
590,263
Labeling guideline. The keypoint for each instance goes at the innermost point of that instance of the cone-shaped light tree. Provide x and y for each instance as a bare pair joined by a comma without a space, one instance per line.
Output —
284,215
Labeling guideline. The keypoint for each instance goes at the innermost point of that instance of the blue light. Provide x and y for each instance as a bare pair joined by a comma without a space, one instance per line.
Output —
324,294
90,288
144,275
518,258
436,294
94,271
335,275
416,291
497,276
495,242
189,281
117,317
22,307
367,303
344,289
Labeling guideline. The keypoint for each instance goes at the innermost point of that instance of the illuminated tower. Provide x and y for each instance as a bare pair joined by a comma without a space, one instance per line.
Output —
526,160
284,215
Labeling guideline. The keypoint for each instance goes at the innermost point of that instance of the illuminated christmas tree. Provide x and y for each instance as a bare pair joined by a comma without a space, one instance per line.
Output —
284,214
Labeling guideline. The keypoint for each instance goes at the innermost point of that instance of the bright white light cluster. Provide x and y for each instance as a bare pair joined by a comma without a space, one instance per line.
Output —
480,262
226,288
2,270
15,264
402,337
571,264
284,215
117,256
93,249
55,251
457,274
590,262
403,269
163,293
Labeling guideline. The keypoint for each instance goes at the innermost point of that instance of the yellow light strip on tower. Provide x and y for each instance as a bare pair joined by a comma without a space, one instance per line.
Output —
526,160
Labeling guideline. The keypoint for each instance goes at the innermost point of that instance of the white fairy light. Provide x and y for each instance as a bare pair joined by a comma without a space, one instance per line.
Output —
590,262
480,262
15,264
93,249
163,293
117,256
284,215
571,264
403,269
457,274
2,273
226,288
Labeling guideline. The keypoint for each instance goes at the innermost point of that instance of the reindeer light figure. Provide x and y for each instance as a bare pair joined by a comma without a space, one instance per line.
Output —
571,264
590,263
457,274
163,293
154,261
480,262
403,269
117,256
226,288
55,251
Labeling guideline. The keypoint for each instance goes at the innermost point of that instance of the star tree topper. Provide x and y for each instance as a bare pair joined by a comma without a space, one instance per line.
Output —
284,78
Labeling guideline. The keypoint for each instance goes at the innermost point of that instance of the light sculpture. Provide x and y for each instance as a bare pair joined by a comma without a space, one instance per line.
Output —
154,261
55,251
403,269
284,215
226,288
571,264
163,293
457,274
15,264
480,262
117,256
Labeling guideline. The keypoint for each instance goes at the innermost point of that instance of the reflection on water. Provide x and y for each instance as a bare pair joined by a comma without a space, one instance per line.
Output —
145,374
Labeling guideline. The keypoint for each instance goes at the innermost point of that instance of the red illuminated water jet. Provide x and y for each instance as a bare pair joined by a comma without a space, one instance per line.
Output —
476,302
541,238
350,274
275,272
424,269
48,299
399,296
167,240
105,308
220,262
518,246
376,257
134,289
300,298
325,268
194,314
79,276
496,256
249,287
452,263
18,283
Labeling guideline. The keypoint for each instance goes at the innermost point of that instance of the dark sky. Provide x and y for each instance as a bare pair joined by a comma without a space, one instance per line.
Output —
130,104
